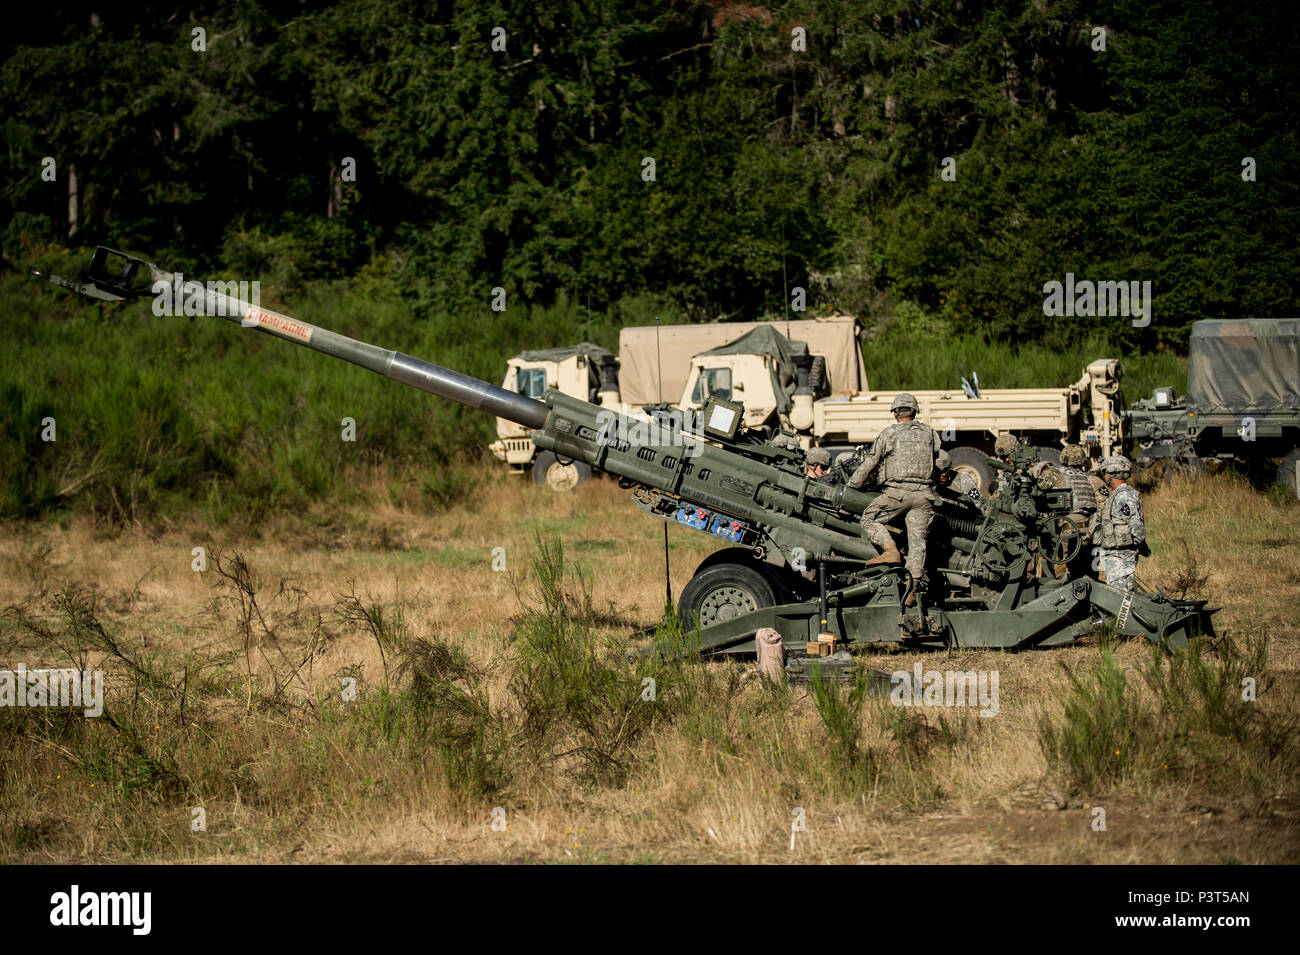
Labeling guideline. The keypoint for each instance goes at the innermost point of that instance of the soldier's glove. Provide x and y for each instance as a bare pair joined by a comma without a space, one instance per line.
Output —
1144,550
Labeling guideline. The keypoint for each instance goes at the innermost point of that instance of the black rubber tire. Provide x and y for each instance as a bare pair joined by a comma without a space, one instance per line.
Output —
1287,473
723,591
976,464
561,478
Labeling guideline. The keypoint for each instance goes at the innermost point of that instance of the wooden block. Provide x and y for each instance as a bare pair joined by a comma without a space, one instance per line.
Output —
815,648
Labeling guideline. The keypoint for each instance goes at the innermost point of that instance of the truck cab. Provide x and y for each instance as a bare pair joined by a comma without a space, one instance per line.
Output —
584,371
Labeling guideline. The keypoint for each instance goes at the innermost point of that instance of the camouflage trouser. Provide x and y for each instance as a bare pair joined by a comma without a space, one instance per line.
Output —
1119,567
918,505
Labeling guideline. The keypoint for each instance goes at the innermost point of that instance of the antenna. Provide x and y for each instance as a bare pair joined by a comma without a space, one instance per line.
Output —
668,581
785,285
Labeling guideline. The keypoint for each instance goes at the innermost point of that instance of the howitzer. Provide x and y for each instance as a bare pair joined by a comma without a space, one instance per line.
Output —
998,577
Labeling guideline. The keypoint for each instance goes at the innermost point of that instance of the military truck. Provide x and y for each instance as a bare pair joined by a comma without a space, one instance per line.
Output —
584,371
807,378
787,388
651,368
1242,402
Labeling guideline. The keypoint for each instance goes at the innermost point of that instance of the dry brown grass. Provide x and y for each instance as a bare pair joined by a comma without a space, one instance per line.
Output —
298,776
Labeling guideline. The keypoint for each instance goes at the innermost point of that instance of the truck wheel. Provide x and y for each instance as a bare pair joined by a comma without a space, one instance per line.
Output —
975,465
560,478
724,592
1288,472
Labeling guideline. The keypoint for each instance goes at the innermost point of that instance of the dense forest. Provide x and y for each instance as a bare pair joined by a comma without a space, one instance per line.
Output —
794,144
925,165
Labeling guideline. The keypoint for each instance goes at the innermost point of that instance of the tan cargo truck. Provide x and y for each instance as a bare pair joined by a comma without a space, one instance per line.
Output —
786,387
652,366
806,377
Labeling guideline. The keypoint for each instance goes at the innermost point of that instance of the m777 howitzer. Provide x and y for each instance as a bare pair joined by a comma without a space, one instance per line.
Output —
796,561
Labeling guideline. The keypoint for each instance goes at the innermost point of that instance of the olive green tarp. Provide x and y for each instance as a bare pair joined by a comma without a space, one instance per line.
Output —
766,340
1241,365
586,349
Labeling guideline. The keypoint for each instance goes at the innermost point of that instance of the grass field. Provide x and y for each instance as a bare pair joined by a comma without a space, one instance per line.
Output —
479,690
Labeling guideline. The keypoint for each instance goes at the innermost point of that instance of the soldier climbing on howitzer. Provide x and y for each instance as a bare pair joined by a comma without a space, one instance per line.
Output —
1121,533
904,455
956,481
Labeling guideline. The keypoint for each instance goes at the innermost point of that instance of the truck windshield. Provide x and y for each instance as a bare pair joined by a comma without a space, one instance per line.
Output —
531,382
713,382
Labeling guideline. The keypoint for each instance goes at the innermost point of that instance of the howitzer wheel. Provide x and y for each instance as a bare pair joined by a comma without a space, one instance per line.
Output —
724,592
998,547
1066,540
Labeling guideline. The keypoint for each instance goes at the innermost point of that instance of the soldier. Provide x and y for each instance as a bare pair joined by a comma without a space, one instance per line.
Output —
1122,534
817,462
1083,500
1005,445
956,481
904,453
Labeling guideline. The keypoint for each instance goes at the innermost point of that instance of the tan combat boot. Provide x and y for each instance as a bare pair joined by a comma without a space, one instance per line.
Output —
888,555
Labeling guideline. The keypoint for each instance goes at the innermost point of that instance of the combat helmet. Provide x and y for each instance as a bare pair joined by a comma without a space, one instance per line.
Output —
1117,465
1006,443
819,456
1073,456
905,401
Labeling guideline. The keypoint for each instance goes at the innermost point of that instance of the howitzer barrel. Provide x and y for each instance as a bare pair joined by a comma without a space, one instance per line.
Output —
467,391
116,276
406,369
416,372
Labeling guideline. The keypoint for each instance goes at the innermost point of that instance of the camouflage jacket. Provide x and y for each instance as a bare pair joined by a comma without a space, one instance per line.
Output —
1100,493
962,484
1122,527
1082,498
904,453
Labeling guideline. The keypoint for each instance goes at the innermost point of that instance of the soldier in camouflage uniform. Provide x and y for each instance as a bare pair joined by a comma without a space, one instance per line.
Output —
904,454
1005,445
817,462
1122,534
1083,500
956,481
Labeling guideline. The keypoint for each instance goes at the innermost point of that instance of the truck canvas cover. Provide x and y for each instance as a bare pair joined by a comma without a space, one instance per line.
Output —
641,355
1243,365
766,340
586,349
